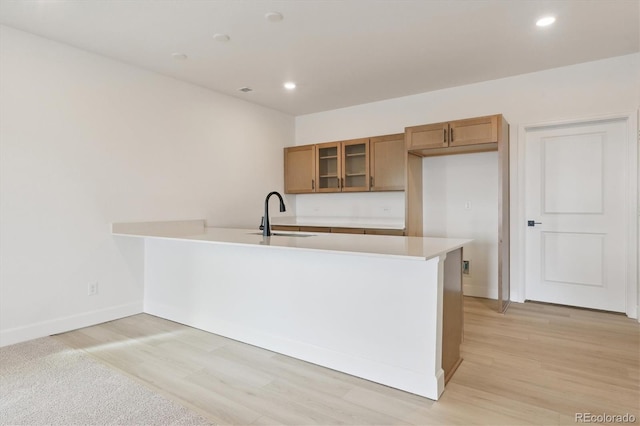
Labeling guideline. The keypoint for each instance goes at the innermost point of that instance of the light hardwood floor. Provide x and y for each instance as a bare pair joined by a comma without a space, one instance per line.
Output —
538,364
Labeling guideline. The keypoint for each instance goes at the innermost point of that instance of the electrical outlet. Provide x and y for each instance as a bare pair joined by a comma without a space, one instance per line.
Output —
92,288
465,267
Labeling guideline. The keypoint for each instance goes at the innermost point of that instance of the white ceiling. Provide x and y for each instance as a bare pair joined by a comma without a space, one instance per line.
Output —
340,53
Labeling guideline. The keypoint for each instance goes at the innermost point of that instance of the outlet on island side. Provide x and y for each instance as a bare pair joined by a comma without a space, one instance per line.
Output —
465,267
92,288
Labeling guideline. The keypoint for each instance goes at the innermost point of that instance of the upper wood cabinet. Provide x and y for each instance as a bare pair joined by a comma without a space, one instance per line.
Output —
428,136
387,163
300,169
444,137
357,165
473,131
343,166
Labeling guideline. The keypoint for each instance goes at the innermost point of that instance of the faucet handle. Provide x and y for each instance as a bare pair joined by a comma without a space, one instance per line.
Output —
261,224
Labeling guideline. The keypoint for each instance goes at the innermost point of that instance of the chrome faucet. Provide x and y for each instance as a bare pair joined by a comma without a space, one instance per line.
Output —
266,225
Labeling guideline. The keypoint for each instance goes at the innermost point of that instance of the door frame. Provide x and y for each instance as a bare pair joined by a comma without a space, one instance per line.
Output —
631,223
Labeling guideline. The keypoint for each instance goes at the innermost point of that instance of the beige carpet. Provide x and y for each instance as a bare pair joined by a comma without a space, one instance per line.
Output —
43,382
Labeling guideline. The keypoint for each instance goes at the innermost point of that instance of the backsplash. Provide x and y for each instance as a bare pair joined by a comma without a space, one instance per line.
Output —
356,205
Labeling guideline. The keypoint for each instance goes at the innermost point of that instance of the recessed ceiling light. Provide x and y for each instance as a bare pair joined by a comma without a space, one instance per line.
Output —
245,89
221,37
274,16
179,56
289,85
546,21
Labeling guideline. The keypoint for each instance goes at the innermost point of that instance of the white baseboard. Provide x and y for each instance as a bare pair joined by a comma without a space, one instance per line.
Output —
479,291
61,325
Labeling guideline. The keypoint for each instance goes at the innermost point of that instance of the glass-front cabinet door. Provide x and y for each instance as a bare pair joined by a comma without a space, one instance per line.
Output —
343,166
328,167
355,165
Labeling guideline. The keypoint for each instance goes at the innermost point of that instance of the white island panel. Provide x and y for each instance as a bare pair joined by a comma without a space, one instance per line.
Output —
376,320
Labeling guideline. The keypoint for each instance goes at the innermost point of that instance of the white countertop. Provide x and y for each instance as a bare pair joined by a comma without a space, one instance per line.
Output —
340,222
419,248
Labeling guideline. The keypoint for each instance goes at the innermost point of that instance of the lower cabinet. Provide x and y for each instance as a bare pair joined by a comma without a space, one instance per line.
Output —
396,232
285,228
314,229
452,313
348,230
338,230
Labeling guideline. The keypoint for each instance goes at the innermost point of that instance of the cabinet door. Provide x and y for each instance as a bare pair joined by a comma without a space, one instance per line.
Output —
299,169
285,228
473,131
328,167
347,230
395,232
315,229
387,163
355,165
428,136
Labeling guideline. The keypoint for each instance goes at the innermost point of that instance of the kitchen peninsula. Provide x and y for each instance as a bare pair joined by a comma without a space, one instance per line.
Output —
384,308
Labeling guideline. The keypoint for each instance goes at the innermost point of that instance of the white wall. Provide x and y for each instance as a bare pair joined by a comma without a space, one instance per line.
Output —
85,141
577,91
450,184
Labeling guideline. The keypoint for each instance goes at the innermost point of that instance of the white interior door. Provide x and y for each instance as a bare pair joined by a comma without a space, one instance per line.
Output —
575,195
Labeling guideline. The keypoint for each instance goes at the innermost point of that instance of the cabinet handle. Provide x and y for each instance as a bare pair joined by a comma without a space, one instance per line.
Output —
341,183
313,184
444,135
451,136
371,181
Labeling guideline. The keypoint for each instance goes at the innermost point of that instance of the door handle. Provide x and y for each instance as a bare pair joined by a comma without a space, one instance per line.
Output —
533,223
